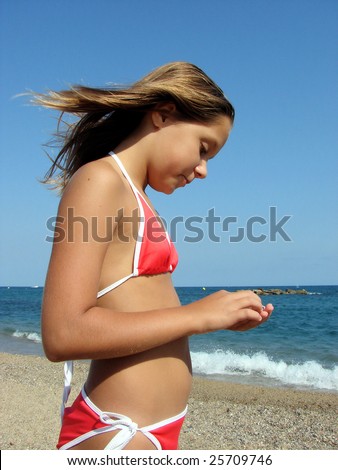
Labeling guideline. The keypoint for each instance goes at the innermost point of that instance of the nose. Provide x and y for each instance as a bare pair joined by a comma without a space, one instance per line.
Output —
201,170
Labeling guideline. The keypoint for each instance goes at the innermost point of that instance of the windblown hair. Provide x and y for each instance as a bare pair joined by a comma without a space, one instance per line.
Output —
106,116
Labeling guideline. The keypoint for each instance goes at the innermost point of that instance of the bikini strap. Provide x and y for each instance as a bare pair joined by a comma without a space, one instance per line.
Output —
141,222
125,174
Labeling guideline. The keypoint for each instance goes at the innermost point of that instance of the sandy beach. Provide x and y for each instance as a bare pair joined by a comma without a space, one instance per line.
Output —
221,415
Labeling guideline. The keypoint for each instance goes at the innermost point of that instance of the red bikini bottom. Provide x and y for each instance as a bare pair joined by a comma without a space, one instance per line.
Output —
84,420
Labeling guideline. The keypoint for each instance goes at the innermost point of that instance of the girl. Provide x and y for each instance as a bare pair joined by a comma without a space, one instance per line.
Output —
108,295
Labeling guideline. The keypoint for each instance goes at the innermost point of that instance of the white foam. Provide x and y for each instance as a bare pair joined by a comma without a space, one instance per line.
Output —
308,374
27,335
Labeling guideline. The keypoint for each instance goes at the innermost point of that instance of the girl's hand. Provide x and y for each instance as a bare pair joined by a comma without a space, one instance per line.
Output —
238,311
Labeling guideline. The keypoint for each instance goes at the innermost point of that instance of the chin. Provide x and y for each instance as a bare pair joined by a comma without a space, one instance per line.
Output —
163,189
167,190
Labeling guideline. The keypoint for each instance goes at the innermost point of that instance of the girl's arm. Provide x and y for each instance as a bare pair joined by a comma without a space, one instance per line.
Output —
73,327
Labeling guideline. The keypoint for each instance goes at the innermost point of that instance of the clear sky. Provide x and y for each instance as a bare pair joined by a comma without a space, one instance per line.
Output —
276,60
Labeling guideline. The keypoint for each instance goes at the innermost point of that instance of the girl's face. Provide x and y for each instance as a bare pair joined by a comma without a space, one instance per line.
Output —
181,151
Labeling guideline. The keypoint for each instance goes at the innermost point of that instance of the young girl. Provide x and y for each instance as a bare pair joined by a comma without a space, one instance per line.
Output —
108,295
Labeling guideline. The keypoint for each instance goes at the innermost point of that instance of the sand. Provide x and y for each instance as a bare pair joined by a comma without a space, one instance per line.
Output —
221,415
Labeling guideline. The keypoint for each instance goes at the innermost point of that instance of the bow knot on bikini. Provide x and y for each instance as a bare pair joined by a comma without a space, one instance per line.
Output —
127,428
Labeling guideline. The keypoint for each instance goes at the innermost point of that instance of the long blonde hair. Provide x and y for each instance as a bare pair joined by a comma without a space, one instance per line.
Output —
106,116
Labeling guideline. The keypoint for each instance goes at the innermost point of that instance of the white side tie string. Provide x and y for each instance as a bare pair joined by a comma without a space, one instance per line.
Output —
127,427
68,374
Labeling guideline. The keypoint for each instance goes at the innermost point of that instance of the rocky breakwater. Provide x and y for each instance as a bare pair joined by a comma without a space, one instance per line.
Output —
280,291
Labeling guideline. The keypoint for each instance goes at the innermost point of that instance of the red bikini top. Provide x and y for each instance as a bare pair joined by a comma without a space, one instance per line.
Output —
154,251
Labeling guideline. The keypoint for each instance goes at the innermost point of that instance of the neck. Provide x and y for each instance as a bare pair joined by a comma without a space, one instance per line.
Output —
134,156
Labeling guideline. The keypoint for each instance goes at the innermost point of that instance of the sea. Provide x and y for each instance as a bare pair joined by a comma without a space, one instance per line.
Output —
297,348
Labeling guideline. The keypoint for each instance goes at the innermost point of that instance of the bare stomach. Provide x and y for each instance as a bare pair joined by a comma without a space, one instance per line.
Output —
152,385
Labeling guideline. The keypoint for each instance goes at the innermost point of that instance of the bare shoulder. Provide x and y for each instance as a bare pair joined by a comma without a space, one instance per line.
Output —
95,185
99,174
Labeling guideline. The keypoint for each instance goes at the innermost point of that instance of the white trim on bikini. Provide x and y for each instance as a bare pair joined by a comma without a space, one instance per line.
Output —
140,233
127,428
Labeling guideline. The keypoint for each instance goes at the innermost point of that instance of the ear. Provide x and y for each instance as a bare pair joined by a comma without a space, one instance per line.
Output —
163,114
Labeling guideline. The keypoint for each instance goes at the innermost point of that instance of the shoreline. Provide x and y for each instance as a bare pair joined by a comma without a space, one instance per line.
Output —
19,347
262,383
222,415
14,346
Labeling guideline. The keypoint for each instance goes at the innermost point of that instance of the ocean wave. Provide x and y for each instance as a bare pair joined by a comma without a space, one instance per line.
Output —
27,335
306,374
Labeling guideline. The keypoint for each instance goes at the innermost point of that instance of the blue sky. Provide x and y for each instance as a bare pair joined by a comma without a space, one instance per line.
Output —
276,60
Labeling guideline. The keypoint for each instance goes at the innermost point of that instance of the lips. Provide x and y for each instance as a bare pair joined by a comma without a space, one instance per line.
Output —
184,181
187,180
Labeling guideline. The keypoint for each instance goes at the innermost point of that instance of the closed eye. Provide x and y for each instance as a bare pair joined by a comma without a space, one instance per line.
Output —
203,150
